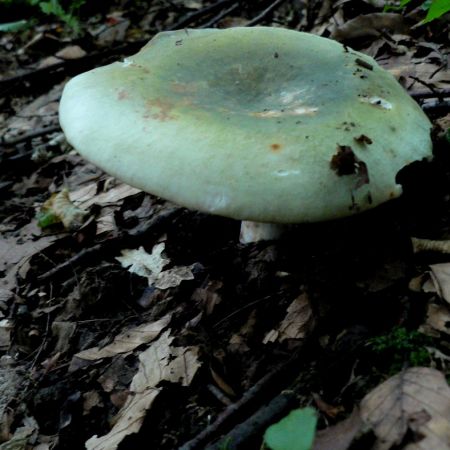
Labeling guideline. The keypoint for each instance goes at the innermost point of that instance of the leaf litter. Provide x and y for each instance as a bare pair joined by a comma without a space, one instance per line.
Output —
142,348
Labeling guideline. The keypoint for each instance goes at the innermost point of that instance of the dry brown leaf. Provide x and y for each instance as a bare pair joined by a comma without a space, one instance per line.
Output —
370,25
71,52
339,436
16,251
40,113
109,200
91,399
440,277
418,400
63,331
127,340
297,323
159,362
438,318
207,296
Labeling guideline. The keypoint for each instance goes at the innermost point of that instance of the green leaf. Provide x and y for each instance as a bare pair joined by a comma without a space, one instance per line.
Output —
294,432
11,27
437,9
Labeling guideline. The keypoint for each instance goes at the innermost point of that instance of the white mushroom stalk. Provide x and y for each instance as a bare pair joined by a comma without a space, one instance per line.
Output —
264,125
258,231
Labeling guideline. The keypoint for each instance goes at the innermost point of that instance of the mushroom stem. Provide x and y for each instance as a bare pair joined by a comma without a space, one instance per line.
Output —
258,231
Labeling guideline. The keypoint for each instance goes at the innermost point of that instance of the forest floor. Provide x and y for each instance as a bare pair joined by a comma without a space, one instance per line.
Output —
212,341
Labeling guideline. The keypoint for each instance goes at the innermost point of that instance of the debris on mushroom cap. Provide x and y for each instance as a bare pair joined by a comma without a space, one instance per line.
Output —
251,123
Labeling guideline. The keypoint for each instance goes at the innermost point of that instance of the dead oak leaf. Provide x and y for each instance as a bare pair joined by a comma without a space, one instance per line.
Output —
125,342
151,266
418,400
161,361
296,324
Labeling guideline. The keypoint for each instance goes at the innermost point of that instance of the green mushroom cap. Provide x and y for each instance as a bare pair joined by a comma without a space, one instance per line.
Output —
261,124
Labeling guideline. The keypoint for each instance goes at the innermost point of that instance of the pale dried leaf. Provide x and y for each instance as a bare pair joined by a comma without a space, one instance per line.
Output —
87,195
129,421
159,362
6,327
296,324
127,340
61,209
40,113
163,362
63,331
173,277
16,250
417,399
438,318
440,276
142,263
71,52
151,266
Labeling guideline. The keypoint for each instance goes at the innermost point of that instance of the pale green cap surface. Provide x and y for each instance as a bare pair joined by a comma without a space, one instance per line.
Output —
247,123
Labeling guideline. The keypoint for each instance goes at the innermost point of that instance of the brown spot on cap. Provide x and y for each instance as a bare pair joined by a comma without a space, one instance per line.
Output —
275,147
363,139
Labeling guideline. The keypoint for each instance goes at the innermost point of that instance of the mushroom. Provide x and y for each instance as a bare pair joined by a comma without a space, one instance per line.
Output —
266,125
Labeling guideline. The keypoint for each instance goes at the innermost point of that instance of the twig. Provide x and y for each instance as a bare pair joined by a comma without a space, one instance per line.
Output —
91,254
257,423
429,86
445,104
219,395
195,15
220,16
31,135
259,18
250,397
428,245
436,94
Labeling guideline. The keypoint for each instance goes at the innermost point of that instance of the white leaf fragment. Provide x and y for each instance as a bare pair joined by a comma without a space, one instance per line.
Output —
151,266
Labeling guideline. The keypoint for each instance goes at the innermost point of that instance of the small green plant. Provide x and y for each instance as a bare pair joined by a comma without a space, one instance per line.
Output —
434,8
294,432
401,347
64,11
67,15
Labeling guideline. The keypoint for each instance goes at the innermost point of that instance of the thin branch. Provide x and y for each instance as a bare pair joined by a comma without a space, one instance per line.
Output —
257,423
434,94
429,86
30,135
244,403
195,15
220,16
259,18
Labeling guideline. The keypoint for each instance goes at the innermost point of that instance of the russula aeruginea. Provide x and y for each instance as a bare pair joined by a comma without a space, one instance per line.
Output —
261,124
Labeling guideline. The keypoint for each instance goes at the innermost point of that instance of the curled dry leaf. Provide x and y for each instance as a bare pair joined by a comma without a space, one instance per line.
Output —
159,362
416,400
296,324
151,266
108,200
59,208
126,341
